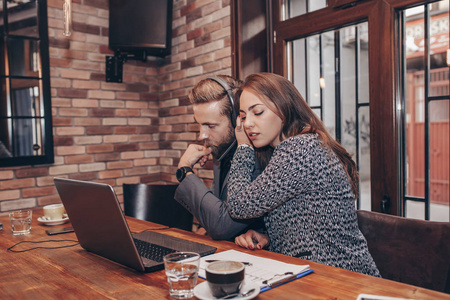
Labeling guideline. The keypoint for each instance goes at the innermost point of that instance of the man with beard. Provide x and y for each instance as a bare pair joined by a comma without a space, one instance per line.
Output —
213,112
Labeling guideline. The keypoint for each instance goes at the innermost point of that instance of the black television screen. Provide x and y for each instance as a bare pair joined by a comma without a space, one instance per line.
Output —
140,25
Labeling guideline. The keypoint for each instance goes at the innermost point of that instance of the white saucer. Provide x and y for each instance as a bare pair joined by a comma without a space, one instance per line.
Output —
44,221
202,291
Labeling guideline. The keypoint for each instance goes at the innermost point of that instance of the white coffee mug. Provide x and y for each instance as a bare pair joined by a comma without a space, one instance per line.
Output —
54,211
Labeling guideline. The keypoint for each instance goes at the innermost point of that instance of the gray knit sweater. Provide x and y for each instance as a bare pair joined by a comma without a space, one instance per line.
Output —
307,202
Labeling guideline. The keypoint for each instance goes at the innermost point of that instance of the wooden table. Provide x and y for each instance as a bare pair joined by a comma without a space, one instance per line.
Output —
73,273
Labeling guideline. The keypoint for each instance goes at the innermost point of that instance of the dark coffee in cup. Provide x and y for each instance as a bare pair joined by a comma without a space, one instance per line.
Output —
225,277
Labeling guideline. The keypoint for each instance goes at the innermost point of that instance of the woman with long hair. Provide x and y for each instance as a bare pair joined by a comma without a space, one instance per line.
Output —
307,192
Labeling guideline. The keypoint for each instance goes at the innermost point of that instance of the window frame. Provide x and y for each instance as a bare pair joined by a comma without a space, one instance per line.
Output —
48,156
385,117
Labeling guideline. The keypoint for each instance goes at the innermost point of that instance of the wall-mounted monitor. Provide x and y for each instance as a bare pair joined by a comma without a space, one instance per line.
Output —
140,26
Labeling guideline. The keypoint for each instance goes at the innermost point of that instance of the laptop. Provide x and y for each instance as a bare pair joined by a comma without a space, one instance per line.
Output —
100,226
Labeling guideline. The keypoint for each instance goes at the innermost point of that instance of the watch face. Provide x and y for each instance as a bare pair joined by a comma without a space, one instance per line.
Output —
180,174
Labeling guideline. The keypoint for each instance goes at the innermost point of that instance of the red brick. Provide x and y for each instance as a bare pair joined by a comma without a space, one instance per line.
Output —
62,121
119,164
59,43
125,130
110,174
148,129
88,176
113,156
149,146
188,63
128,113
33,172
135,179
79,159
9,195
136,171
62,141
188,8
40,191
101,112
104,49
193,15
46,200
73,54
99,148
194,34
72,93
85,28
137,87
9,174
150,178
69,150
97,3
203,39
97,76
16,183
213,26
99,130
60,62
69,131
179,31
168,177
149,96
126,147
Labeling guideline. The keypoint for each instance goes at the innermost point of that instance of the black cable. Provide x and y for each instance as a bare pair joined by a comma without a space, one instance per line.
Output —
48,241
36,242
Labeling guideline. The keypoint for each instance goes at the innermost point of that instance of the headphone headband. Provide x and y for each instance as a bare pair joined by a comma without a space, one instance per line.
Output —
222,82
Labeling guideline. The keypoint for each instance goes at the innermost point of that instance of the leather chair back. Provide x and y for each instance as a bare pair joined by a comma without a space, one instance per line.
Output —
411,251
156,203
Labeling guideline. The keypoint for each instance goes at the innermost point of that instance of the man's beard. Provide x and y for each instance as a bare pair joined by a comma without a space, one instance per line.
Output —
218,150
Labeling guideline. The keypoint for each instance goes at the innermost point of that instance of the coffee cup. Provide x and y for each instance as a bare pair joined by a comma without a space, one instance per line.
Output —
224,277
54,211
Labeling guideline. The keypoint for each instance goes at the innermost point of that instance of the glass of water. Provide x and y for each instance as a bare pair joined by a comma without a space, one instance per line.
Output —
20,221
182,273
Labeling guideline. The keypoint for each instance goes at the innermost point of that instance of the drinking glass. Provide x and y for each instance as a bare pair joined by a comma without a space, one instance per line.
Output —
20,221
182,273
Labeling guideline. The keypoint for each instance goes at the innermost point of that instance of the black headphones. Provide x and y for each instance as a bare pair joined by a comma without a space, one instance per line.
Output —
233,116
230,95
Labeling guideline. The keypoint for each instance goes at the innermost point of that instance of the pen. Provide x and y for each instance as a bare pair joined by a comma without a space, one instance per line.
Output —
282,280
213,260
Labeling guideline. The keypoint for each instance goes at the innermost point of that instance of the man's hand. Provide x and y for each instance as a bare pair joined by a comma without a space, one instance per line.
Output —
241,136
194,154
252,240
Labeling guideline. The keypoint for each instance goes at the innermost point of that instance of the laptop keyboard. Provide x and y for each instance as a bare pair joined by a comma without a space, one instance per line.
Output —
152,251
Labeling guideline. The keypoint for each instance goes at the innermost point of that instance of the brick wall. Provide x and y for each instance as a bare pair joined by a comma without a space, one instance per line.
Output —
127,132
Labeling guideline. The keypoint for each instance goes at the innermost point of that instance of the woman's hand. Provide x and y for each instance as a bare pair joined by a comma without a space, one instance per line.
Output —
241,136
252,240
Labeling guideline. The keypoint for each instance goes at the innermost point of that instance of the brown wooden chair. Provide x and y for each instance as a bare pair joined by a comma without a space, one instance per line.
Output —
156,203
406,250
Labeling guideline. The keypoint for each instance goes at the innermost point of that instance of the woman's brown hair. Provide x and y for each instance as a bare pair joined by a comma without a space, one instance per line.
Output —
297,116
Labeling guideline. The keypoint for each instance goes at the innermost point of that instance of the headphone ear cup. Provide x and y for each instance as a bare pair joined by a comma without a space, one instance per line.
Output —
233,116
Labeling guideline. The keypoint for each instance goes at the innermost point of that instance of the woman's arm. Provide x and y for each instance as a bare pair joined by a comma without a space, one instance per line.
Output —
289,172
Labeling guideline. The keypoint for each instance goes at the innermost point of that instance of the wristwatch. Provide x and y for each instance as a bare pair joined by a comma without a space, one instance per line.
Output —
181,173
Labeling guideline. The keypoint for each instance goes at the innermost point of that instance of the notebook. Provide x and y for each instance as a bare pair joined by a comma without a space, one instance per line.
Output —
101,227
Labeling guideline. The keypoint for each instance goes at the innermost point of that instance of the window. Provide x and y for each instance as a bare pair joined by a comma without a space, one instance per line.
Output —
25,108
345,58
425,86
331,71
